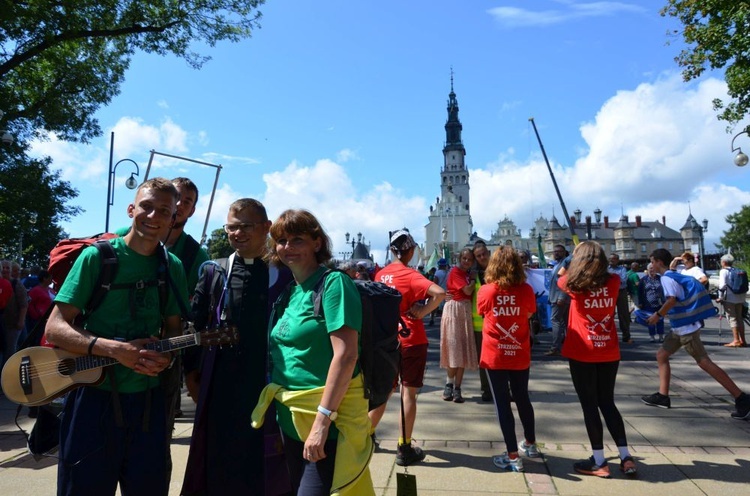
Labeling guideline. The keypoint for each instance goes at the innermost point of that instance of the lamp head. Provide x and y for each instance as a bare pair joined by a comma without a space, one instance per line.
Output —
740,160
131,182
7,138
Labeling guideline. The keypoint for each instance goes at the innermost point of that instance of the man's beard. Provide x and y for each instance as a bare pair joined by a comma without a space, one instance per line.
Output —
179,225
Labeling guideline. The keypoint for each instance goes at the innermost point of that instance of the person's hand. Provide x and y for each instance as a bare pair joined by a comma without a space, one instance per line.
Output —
653,319
314,444
417,311
133,354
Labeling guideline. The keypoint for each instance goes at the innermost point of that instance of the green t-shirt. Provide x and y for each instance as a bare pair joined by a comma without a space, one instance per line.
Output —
121,316
177,248
300,346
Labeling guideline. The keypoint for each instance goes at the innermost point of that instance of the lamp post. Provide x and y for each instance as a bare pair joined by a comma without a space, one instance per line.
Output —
353,244
130,183
741,159
7,138
32,221
704,228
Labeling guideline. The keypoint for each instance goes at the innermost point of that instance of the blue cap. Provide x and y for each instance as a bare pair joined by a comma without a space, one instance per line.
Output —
442,261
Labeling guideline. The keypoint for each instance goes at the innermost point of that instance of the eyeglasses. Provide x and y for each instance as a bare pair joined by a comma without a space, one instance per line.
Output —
245,227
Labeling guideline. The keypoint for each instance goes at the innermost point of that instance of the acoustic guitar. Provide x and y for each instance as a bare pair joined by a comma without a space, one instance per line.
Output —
37,375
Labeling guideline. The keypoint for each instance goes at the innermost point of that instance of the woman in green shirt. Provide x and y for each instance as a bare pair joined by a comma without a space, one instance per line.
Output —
309,352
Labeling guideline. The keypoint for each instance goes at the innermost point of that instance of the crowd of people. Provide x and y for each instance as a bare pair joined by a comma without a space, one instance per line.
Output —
295,369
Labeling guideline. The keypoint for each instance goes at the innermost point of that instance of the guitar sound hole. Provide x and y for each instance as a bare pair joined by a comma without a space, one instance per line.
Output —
67,366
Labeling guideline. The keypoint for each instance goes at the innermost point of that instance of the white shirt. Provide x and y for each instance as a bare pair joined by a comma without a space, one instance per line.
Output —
673,288
695,272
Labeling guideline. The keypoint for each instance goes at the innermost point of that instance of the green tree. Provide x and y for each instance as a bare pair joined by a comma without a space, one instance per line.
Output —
61,61
717,33
737,238
218,244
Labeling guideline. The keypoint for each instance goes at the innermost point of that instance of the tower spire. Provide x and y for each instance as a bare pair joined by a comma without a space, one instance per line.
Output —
451,79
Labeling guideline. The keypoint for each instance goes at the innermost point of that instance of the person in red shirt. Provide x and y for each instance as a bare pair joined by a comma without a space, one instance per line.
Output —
414,289
507,302
457,347
594,354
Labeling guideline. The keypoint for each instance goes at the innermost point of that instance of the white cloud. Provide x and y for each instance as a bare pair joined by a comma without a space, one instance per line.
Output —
346,155
517,17
651,150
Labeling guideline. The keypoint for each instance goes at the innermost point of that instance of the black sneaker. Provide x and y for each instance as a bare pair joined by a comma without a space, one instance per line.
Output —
408,455
742,403
448,392
657,399
457,397
486,396
589,467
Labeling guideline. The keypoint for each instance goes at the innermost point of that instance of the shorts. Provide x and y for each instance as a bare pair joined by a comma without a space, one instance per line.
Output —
413,363
734,312
692,343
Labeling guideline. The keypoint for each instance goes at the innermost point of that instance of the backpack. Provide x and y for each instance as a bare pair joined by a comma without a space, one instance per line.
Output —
380,356
737,280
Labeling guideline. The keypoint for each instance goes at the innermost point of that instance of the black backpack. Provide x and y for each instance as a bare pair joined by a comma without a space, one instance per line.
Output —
380,357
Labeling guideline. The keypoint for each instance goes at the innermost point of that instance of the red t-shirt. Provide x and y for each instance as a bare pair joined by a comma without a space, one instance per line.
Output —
413,287
592,336
457,280
505,333
39,301
6,291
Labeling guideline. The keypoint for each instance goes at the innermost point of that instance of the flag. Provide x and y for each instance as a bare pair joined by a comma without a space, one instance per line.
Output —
432,261
542,260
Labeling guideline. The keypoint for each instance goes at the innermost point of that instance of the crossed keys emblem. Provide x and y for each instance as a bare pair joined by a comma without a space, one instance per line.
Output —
595,325
507,332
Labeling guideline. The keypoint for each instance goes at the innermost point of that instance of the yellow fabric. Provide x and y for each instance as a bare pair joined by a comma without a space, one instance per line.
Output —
477,320
354,448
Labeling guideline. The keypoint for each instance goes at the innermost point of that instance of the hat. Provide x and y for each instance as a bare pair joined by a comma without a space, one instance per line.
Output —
401,240
442,262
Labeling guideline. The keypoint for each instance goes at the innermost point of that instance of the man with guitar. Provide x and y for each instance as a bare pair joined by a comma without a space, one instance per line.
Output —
115,432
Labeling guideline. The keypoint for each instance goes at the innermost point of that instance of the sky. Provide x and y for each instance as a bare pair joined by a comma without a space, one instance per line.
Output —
339,107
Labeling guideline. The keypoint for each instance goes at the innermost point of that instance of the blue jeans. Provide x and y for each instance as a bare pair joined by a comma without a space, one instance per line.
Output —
309,478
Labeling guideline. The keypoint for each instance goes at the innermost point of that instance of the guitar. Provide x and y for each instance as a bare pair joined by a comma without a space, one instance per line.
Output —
37,375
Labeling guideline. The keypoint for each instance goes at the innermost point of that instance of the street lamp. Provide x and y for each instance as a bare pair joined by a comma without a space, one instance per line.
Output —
741,159
703,229
130,183
32,221
6,138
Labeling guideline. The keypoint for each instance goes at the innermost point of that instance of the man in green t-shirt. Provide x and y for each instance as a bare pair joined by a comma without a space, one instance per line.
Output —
115,432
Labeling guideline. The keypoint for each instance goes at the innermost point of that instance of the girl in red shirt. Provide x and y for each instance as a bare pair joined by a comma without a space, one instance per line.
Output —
594,353
507,302
457,347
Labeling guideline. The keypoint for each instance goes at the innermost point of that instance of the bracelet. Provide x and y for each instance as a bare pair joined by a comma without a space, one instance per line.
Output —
91,345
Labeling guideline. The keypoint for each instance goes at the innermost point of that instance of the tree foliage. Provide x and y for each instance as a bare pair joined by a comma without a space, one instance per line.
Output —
218,244
60,62
737,238
717,33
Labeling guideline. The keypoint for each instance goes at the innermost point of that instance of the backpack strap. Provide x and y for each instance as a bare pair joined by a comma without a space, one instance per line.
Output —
107,273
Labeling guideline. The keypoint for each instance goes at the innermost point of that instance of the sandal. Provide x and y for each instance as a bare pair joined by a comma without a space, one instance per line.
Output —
627,465
733,344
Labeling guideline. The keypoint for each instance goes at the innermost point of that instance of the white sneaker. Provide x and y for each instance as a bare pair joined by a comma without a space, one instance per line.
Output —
504,462
529,450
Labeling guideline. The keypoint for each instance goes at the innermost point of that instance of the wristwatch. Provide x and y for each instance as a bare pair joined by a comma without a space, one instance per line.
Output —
328,413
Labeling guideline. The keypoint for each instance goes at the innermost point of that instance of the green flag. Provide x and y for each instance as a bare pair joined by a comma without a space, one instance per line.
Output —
542,260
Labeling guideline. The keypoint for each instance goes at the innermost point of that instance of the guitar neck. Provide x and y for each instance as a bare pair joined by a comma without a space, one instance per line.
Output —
87,362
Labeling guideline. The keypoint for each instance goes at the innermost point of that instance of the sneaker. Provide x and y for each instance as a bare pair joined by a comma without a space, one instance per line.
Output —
503,461
457,398
486,396
406,454
552,352
627,466
589,467
742,403
448,392
661,338
529,450
652,339
657,399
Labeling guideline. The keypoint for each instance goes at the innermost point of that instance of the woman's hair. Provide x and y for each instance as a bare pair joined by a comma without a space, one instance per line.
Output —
298,222
588,268
505,268
466,250
688,256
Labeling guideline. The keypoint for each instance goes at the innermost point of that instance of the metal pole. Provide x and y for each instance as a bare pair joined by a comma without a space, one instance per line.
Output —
109,179
554,182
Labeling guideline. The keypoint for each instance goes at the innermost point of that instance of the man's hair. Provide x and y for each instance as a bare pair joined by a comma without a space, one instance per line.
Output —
159,184
186,183
478,243
727,259
249,203
663,255
298,222
614,255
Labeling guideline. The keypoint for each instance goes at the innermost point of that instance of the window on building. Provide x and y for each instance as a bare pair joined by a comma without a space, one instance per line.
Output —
660,245
643,247
612,247
671,245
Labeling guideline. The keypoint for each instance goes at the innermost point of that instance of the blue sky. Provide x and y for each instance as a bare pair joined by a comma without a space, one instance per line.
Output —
339,107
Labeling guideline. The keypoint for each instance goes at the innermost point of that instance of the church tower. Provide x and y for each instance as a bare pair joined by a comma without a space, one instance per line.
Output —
450,225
